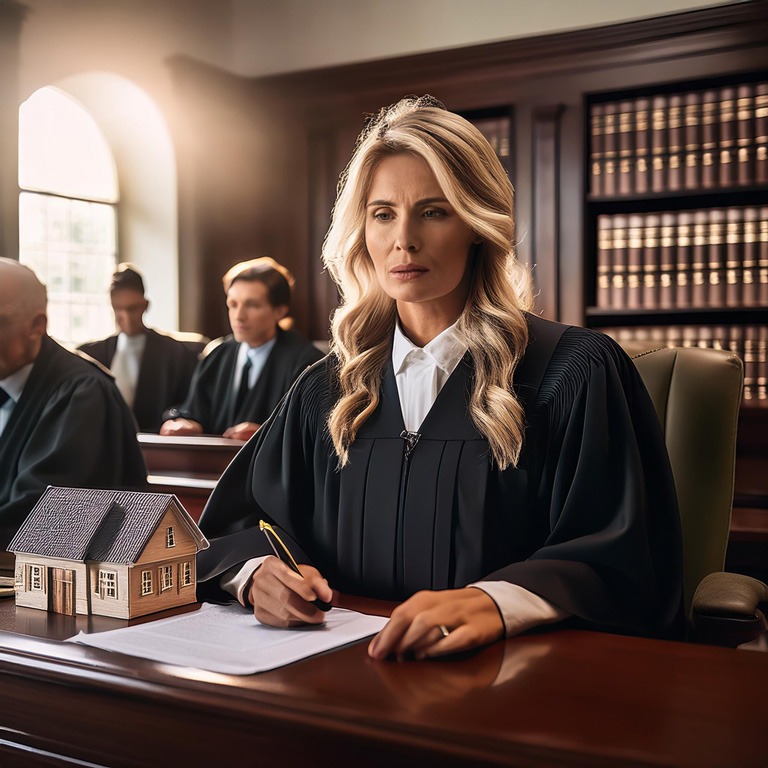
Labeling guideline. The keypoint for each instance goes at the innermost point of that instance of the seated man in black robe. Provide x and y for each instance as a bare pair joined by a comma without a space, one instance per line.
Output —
62,420
152,369
242,377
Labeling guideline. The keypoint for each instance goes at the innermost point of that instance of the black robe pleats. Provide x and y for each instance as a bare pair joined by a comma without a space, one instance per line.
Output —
587,519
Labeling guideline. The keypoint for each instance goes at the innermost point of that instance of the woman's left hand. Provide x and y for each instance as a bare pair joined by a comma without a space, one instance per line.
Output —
418,626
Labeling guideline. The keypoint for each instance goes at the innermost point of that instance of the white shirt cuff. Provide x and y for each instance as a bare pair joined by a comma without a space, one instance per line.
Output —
520,609
238,578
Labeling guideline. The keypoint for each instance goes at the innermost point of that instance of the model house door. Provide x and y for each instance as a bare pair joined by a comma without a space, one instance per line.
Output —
63,591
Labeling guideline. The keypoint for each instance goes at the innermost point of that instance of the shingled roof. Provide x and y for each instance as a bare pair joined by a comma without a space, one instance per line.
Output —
88,524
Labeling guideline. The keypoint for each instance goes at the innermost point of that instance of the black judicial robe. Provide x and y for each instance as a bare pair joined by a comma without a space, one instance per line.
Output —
588,519
211,401
165,372
71,427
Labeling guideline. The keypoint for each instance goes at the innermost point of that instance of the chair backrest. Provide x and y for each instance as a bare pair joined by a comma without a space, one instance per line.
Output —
697,394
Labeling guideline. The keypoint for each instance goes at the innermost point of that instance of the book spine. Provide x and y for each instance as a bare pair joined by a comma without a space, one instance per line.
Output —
604,260
750,362
699,292
761,133
658,143
683,259
666,286
745,134
619,262
716,258
727,142
610,148
626,141
596,156
762,362
642,145
634,262
651,261
709,139
750,250
692,151
734,242
762,260
675,139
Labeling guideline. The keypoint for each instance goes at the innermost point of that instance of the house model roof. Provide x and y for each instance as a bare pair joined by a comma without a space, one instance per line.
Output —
105,526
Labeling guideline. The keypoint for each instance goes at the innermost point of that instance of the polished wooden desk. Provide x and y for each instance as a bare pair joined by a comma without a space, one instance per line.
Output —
188,466
559,698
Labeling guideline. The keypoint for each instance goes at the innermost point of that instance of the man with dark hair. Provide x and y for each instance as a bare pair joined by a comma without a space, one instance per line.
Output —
242,377
152,369
62,420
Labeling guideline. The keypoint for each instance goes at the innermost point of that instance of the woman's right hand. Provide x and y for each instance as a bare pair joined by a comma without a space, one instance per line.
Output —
282,598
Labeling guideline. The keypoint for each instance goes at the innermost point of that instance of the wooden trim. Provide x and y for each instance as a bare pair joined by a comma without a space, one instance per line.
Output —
724,28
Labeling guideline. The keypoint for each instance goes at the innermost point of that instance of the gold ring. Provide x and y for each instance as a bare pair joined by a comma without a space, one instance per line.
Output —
444,631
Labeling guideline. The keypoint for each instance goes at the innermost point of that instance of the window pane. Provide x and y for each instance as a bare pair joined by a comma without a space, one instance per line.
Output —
71,246
62,149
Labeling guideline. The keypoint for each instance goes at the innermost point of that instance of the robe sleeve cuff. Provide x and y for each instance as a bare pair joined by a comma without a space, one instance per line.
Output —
520,609
236,580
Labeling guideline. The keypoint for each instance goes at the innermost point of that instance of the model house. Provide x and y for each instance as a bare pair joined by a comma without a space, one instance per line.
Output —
114,553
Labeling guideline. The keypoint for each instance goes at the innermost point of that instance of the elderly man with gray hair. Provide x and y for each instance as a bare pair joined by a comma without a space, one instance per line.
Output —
62,419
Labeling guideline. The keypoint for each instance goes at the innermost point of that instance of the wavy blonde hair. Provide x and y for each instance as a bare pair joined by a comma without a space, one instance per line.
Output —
492,322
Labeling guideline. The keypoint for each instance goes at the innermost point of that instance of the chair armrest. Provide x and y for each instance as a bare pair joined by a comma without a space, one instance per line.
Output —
726,609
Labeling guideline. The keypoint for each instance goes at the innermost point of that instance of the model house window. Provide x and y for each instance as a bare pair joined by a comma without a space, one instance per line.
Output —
107,584
170,538
146,582
185,577
166,577
68,212
36,578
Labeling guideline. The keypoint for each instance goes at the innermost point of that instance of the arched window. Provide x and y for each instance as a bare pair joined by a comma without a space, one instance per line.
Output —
68,212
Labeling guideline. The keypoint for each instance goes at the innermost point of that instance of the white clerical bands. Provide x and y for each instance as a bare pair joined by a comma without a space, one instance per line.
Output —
444,631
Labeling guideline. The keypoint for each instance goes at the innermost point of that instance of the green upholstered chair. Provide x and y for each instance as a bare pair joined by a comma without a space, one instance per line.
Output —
697,394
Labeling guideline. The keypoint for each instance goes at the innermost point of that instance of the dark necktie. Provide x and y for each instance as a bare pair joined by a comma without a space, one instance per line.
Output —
4,397
243,389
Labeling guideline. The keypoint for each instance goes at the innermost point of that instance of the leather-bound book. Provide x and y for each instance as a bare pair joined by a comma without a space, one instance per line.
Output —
727,143
692,148
745,134
710,131
734,268
626,141
667,255
750,253
761,133
642,145
750,362
651,261
634,261
762,362
619,262
683,259
610,148
699,260
675,141
716,287
596,140
659,143
762,259
604,260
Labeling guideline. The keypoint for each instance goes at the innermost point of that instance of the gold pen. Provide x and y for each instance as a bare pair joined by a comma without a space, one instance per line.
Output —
284,554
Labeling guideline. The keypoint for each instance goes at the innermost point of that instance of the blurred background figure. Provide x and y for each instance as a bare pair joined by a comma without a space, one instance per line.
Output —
243,376
62,420
152,368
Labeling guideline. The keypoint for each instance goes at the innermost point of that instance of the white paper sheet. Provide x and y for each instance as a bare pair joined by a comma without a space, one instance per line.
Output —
227,639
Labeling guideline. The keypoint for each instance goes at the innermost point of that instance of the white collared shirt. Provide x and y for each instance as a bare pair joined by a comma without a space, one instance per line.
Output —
258,356
126,364
14,386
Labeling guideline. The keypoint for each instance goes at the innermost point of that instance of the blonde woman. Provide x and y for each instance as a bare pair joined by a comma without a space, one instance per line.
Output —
490,469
